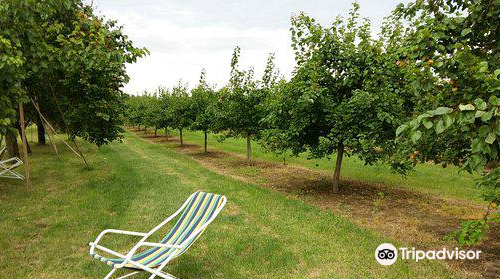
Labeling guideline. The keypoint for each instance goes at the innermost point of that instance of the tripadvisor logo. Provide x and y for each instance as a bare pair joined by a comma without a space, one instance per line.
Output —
387,254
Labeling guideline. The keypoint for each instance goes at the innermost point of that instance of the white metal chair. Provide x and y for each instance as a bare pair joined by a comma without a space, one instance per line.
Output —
7,167
198,211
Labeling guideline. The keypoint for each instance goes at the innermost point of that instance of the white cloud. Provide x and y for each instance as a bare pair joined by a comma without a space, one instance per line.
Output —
185,36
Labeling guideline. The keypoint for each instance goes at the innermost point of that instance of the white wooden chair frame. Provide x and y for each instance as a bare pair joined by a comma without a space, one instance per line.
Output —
142,268
7,167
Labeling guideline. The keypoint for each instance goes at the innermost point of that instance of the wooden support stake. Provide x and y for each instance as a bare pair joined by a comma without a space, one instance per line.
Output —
25,146
44,120
45,123
80,153
50,133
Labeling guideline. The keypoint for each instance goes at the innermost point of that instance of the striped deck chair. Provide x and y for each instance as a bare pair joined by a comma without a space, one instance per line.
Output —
197,212
7,167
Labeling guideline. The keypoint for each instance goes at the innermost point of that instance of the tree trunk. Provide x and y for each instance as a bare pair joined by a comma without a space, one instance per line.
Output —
40,128
25,145
156,131
139,127
11,142
249,149
180,135
206,136
145,130
28,147
338,165
166,133
51,138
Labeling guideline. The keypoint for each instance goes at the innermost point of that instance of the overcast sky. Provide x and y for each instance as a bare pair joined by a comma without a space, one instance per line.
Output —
185,36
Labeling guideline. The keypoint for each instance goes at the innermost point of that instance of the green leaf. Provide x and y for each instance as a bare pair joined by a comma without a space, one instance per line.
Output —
427,123
497,73
448,121
466,107
422,116
494,100
416,136
442,110
483,66
466,31
484,130
476,145
439,128
486,116
414,124
401,129
490,138
480,104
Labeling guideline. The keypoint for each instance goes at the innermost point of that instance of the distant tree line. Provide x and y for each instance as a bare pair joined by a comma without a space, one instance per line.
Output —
236,110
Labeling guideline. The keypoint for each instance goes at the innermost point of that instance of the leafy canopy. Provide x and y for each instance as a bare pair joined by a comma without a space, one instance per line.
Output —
347,90
69,60
203,105
455,45
240,102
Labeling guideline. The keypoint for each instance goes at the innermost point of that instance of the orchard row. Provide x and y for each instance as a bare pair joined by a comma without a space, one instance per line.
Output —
425,89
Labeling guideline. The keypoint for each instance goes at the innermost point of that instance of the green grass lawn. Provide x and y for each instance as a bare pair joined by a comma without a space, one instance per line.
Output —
134,185
428,178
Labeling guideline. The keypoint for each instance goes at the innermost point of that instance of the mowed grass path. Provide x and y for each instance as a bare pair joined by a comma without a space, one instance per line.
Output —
428,178
136,184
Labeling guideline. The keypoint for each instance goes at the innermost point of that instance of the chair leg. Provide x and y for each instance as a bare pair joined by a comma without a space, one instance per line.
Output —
128,275
162,275
159,272
111,273
8,173
170,276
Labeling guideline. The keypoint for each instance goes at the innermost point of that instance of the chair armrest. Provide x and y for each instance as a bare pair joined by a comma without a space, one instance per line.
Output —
104,249
99,237
124,232
17,161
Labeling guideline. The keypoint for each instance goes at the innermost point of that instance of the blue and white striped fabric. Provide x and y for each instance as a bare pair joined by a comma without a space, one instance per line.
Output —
200,208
